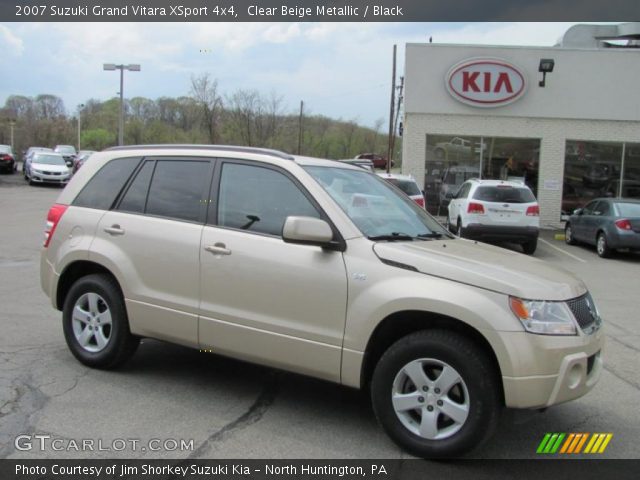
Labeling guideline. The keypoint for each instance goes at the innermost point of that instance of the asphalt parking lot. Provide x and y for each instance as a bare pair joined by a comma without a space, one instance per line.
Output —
231,409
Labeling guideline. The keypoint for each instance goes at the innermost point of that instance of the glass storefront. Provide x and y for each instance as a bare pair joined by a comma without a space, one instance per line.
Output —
452,159
599,169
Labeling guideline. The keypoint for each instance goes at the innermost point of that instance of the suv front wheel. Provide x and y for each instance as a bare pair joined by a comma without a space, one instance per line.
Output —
95,323
436,394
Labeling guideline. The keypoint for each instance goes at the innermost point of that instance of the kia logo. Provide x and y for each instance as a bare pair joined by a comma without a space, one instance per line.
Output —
485,82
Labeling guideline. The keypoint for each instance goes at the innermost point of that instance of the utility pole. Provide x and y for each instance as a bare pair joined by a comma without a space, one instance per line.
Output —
12,124
134,67
395,123
300,129
391,113
80,107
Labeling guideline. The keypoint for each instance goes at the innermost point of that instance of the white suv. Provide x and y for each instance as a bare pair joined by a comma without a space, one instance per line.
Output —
496,211
407,184
319,268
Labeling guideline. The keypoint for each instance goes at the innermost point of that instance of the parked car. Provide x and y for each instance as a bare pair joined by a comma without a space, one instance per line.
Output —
68,152
407,184
453,178
7,159
378,160
47,167
608,223
28,155
496,211
292,267
82,157
458,147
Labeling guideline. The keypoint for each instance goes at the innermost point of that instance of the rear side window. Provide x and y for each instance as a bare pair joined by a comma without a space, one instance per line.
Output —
136,197
179,189
629,209
101,191
504,194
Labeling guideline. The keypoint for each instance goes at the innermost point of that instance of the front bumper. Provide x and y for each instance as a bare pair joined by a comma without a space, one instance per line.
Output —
48,178
500,233
554,369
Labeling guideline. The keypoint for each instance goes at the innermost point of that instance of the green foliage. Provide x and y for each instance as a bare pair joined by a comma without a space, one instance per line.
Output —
97,139
245,117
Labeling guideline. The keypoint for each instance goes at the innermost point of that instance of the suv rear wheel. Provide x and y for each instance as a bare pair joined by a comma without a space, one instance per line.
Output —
436,394
95,323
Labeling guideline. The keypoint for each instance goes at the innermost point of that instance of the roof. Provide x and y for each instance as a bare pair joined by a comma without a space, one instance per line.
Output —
497,183
219,148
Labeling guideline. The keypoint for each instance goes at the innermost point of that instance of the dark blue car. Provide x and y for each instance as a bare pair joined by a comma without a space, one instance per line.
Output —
608,223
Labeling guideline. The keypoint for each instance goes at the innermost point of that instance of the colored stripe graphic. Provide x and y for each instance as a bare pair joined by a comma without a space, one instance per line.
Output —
572,443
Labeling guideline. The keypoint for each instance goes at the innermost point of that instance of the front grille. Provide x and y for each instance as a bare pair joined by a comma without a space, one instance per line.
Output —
584,310
52,173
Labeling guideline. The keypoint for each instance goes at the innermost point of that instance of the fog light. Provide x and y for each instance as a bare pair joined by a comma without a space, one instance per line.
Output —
574,377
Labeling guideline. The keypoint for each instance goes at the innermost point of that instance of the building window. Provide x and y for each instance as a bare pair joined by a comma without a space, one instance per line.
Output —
599,169
453,159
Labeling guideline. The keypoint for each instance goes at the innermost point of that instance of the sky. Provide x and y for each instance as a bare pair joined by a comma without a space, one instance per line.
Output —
340,70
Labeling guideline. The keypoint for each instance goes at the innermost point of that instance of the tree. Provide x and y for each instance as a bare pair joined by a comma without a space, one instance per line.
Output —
204,91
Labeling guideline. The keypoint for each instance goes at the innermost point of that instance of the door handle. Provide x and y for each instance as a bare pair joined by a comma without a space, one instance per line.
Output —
114,230
218,248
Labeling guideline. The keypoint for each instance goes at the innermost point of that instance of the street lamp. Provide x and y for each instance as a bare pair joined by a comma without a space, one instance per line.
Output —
122,68
80,107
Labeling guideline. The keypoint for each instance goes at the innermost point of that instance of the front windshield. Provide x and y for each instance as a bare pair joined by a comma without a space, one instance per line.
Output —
45,159
66,150
375,207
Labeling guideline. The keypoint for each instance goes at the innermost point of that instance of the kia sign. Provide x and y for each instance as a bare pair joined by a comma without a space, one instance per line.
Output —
485,82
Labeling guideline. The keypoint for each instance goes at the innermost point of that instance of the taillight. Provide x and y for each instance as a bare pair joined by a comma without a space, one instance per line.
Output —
475,208
533,211
623,224
419,201
53,217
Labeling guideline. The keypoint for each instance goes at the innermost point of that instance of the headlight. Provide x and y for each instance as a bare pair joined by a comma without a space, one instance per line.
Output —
545,318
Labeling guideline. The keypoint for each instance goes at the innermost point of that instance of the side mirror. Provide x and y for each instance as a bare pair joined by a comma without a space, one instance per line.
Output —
307,231
577,211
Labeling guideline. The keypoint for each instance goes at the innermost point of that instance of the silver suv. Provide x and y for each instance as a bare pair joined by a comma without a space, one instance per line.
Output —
320,268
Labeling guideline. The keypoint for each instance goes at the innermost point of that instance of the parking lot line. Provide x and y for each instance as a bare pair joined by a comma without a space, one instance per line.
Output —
563,251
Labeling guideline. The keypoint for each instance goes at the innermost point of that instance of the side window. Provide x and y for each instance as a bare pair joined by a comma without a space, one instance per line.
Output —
101,191
179,189
602,208
588,210
135,198
259,199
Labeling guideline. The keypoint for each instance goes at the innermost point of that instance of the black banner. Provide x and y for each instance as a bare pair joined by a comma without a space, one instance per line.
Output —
316,10
316,469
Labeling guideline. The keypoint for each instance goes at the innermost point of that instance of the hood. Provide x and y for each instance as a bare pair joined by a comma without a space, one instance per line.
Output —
485,266
50,168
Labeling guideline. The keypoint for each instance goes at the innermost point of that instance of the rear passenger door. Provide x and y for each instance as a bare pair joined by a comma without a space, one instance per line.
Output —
152,239
263,299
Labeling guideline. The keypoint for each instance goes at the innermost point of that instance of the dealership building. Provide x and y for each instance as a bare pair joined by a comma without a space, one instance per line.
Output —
565,120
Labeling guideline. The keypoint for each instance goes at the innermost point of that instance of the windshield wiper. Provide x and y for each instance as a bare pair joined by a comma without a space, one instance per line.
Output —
431,235
393,236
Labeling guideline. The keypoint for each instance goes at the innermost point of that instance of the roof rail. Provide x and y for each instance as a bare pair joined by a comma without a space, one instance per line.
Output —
216,148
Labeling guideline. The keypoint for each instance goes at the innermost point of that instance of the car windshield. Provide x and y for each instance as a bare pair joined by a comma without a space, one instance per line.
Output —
379,211
504,194
48,159
66,149
628,209
407,186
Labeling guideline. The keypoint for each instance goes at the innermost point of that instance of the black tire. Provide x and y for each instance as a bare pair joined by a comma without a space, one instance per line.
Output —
121,344
479,391
529,247
568,235
602,246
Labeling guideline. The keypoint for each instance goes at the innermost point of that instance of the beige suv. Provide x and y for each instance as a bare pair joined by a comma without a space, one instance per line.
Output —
320,268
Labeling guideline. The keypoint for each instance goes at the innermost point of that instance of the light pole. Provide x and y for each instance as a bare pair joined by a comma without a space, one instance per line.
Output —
80,107
133,68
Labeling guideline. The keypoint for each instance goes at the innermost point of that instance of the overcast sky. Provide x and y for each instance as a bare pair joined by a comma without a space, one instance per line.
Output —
342,70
